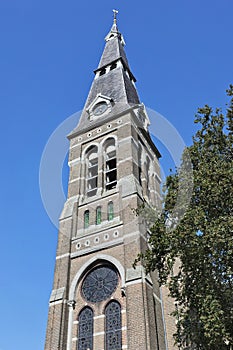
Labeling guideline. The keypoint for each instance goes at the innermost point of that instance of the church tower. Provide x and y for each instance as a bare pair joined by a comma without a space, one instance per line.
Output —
99,301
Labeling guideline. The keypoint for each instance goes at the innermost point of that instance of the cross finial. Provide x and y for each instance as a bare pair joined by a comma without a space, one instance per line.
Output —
115,12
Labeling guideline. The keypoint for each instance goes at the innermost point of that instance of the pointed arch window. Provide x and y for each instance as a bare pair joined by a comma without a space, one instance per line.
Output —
98,215
110,165
85,329
86,218
113,336
110,211
92,171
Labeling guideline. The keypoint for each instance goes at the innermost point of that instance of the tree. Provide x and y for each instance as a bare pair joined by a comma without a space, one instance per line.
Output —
199,236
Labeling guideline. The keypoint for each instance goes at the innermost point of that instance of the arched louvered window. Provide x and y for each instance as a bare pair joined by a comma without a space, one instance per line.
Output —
113,326
110,164
85,329
110,211
92,171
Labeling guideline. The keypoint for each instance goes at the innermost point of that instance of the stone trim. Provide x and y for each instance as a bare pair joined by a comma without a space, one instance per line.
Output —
157,298
164,322
57,294
76,279
53,303
74,180
98,247
63,256
74,161
104,226
134,282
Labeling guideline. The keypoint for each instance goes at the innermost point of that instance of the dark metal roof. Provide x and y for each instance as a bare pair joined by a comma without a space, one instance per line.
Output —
117,84
113,50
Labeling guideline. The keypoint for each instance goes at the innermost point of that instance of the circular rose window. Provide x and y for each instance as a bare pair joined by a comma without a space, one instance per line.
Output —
99,284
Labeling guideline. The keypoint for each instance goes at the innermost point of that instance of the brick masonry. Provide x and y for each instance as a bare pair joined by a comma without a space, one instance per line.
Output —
146,324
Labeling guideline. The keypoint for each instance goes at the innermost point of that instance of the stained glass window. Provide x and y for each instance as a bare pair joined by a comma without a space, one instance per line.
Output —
86,218
99,284
113,326
110,211
85,329
98,215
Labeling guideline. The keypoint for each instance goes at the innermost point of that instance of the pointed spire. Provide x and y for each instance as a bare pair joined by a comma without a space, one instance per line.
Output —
113,84
114,32
114,48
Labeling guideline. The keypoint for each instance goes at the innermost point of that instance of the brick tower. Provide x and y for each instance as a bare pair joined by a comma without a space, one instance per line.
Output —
99,301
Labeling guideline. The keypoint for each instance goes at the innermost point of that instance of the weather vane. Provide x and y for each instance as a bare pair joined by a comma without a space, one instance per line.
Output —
115,12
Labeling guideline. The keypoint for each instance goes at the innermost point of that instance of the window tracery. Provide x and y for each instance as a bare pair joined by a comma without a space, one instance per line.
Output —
85,329
100,283
113,335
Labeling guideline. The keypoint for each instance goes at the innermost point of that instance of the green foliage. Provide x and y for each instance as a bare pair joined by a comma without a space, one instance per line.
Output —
201,239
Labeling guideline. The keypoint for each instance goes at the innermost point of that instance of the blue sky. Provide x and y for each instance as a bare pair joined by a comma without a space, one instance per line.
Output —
181,53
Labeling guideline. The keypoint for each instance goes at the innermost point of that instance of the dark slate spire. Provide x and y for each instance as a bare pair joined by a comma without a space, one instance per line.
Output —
114,49
113,88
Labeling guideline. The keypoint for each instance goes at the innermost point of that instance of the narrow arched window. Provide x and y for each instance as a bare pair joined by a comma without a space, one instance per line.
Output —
147,166
86,218
92,171
110,211
113,326
98,215
140,164
85,329
110,164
